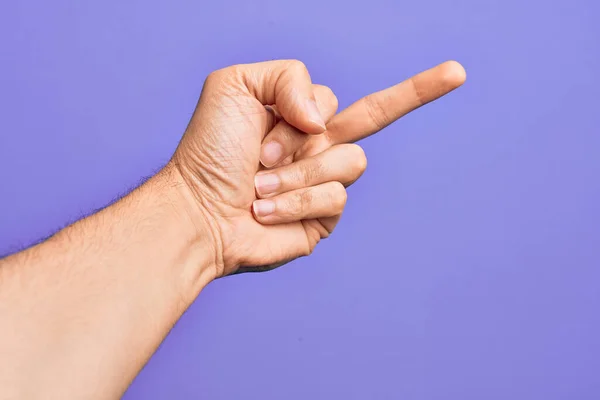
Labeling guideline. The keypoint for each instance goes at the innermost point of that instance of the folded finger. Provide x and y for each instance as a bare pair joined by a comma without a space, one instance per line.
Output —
344,163
321,201
283,83
285,139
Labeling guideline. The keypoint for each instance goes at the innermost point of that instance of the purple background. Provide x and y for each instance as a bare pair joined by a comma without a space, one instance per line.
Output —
467,265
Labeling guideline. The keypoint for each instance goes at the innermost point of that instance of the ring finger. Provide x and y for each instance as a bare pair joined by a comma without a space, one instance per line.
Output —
344,163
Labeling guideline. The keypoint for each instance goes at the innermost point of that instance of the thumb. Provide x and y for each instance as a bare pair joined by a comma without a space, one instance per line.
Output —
287,85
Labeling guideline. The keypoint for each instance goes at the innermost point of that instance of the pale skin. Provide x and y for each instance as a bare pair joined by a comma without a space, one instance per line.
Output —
257,180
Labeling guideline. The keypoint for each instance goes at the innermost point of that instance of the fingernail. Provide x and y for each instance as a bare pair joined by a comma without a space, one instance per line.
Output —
271,153
266,183
314,115
263,208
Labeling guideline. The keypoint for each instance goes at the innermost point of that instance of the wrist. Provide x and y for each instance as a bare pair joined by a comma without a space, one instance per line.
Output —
201,258
118,279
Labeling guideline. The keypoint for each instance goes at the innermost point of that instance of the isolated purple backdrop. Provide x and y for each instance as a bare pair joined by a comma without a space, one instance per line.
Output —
467,265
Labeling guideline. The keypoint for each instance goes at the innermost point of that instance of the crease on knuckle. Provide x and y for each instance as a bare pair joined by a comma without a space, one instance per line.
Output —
298,204
419,95
310,172
376,111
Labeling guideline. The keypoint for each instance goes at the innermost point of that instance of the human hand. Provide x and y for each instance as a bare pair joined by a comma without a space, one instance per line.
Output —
260,221
121,277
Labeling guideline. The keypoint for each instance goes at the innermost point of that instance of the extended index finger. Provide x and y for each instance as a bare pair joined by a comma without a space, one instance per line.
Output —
378,110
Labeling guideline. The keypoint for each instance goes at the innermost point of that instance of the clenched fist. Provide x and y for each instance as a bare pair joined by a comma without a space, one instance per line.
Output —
266,158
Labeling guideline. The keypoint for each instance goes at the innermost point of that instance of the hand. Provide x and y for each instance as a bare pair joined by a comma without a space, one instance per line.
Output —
302,199
88,306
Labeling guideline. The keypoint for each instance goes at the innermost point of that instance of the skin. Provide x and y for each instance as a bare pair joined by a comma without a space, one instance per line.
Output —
258,179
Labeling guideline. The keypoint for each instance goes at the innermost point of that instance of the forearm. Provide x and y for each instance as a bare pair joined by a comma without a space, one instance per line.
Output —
81,313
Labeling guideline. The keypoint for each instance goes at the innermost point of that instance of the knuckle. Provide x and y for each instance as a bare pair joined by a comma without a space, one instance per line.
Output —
339,196
419,94
218,79
359,159
299,203
328,97
355,161
311,172
214,77
297,65
376,110
306,199
334,103
308,250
